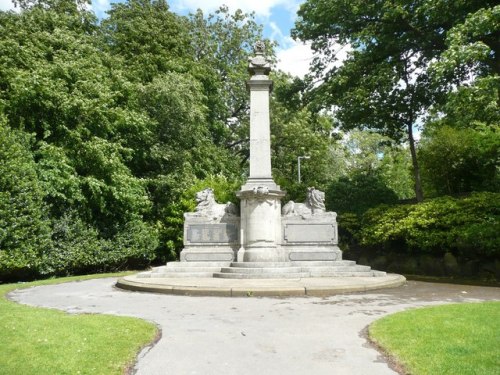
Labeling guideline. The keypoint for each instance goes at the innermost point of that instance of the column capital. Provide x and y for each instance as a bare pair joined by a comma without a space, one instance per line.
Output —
259,84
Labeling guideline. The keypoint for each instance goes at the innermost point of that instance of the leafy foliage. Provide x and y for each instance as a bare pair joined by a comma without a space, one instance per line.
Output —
358,193
150,39
108,129
471,160
24,227
468,226
370,153
297,130
389,80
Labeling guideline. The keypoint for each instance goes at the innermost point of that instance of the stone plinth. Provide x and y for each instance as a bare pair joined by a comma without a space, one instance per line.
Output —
260,225
212,232
310,238
309,232
210,240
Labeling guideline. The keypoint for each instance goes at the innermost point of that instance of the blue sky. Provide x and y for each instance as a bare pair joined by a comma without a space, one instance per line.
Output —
277,16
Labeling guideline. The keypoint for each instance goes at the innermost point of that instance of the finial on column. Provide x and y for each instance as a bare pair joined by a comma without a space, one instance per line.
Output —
259,47
259,64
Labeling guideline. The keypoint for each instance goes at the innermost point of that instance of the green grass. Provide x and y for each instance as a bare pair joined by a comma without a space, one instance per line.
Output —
460,339
43,341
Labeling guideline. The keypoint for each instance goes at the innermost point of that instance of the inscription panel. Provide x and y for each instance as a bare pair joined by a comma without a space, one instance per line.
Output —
212,233
297,233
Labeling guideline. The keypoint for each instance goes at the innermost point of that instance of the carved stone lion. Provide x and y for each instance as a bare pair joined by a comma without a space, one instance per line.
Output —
314,204
207,206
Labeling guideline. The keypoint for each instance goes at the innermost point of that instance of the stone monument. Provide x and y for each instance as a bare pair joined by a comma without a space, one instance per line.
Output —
260,196
265,241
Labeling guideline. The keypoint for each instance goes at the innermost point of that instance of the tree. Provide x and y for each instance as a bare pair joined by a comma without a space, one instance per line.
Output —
222,43
24,225
369,153
357,193
297,131
384,84
464,128
471,159
469,68
151,39
62,90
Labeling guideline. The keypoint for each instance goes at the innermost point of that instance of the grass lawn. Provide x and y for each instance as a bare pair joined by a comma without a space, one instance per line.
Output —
460,339
42,341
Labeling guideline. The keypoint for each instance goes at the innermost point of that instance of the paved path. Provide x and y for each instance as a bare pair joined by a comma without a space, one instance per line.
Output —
254,335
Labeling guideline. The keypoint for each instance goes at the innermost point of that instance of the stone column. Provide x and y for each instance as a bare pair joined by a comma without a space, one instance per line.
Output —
260,196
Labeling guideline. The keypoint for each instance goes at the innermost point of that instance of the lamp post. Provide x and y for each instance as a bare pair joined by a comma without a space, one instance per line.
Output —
298,163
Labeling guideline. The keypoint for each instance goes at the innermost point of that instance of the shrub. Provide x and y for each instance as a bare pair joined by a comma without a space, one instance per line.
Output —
467,226
79,248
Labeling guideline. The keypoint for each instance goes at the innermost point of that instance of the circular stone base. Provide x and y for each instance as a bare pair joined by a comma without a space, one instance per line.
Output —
320,286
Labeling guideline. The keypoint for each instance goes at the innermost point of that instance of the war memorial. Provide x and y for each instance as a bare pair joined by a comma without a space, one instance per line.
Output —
264,247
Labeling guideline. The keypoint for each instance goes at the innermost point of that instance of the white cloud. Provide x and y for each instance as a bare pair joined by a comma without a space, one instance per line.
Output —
296,59
100,7
260,7
7,5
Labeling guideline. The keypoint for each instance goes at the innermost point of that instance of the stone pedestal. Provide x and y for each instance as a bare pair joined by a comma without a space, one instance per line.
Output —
260,225
211,233
310,238
215,240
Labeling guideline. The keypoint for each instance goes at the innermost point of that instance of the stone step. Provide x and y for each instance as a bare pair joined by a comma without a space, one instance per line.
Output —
329,269
343,274
159,269
197,264
260,264
316,263
350,268
190,269
274,275
322,263
256,270
179,274
263,273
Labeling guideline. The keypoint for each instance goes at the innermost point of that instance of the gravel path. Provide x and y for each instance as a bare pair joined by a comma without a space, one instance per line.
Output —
251,335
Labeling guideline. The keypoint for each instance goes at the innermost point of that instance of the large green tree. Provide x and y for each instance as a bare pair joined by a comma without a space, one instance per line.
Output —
296,131
384,84
460,160
222,43
151,39
24,223
61,89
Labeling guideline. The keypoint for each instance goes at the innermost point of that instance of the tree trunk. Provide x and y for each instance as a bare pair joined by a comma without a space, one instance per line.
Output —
419,194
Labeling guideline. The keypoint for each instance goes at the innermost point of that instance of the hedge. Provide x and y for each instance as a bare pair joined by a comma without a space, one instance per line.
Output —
464,226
